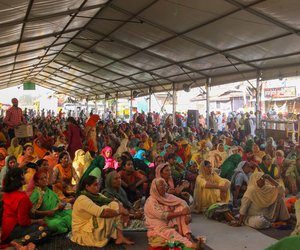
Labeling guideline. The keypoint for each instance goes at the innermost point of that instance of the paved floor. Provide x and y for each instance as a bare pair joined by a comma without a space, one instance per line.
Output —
219,236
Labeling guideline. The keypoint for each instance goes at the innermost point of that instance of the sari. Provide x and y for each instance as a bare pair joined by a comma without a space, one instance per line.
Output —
205,197
156,210
4,153
40,152
217,158
118,194
47,200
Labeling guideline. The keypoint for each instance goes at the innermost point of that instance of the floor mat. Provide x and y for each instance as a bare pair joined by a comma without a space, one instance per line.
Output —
276,233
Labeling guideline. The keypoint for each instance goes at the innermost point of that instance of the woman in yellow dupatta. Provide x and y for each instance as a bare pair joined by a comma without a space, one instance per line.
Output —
218,156
258,154
15,148
210,188
263,202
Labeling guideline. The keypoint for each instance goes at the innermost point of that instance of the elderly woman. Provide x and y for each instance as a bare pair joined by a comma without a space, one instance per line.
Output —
47,205
239,181
218,156
63,174
96,219
167,217
210,188
263,202
17,227
164,171
113,189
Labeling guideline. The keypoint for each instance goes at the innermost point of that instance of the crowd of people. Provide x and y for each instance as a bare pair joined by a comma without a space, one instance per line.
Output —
94,177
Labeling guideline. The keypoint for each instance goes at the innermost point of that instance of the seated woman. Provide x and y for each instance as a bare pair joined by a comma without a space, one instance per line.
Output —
63,174
47,205
210,188
96,219
113,189
267,167
263,202
239,181
27,156
167,217
10,163
164,171
190,174
293,177
17,227
110,162
132,181
15,148
78,162
218,156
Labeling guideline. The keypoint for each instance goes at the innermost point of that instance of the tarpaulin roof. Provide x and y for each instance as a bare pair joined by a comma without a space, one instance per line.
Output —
97,48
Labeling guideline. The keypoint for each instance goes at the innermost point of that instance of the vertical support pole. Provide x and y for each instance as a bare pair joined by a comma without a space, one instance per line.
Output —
130,109
104,106
117,99
207,85
150,93
173,103
96,106
258,100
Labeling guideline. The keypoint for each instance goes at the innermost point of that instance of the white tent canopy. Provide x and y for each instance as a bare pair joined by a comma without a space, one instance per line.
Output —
93,48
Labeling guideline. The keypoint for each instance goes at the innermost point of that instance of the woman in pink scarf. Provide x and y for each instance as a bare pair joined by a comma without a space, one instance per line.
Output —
110,162
167,217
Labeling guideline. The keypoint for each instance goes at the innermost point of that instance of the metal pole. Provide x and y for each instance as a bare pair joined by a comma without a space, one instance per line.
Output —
117,99
174,104
104,106
150,93
207,85
258,99
130,109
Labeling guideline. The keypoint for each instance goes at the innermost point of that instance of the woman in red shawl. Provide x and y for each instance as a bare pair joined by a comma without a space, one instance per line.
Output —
75,137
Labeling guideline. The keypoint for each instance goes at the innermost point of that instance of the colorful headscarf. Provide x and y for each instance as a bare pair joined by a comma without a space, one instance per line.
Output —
109,162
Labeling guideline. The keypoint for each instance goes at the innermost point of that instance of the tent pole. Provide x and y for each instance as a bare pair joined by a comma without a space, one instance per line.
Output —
117,99
174,104
130,110
258,100
150,93
207,85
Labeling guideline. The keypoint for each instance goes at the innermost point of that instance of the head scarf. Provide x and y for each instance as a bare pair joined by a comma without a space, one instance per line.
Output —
158,170
98,162
79,158
261,197
167,199
239,169
140,155
119,194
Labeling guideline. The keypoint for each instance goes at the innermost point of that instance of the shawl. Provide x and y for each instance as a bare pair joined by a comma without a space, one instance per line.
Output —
109,162
229,165
119,194
261,197
158,174
98,199
167,199
39,151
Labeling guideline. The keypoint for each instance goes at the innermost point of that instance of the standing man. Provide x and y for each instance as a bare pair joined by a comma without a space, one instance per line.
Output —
14,117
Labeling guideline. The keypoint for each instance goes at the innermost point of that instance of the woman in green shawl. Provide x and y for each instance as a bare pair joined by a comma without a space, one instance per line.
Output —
47,205
95,169
229,165
114,190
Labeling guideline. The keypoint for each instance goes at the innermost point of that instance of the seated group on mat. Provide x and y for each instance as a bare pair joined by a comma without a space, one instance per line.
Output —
143,175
